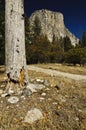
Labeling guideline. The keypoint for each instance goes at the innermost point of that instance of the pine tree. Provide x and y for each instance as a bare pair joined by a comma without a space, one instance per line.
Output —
67,43
83,41
37,26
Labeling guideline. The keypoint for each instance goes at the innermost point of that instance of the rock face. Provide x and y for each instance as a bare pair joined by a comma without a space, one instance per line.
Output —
52,25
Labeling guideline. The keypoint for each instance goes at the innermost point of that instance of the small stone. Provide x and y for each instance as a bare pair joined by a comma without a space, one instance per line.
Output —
58,86
1,101
10,91
8,107
80,110
13,99
47,89
40,80
5,78
17,105
62,99
23,96
4,95
33,115
52,75
46,83
39,86
73,87
41,98
49,99
77,119
35,87
2,86
43,94
66,96
55,103
32,87
32,80
1,91
26,92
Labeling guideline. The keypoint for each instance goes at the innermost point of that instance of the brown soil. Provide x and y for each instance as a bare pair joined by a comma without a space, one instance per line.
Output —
63,108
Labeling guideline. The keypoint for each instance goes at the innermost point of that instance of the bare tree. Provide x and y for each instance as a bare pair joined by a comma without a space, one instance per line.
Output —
15,45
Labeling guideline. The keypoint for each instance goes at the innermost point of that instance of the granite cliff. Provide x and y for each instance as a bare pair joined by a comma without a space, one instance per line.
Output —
52,25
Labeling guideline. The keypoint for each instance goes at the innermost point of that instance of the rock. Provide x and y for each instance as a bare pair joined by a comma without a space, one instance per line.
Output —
55,103
52,25
46,83
2,86
41,98
43,94
17,105
47,89
62,99
5,95
5,78
40,86
13,99
23,97
58,86
40,81
33,115
35,87
1,101
32,87
32,80
77,119
1,91
73,87
10,91
26,92
49,99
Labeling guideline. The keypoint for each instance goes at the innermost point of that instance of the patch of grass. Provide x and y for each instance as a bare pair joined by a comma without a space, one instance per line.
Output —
63,109
65,68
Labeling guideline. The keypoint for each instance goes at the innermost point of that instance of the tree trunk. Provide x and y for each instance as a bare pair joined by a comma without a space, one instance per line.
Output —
15,44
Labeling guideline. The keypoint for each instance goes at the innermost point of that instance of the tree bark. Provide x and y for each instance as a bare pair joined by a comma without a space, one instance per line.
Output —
15,44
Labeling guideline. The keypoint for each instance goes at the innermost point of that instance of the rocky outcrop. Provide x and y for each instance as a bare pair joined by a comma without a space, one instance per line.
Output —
52,25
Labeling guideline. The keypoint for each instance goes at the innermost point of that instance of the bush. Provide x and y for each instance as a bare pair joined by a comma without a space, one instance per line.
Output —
76,56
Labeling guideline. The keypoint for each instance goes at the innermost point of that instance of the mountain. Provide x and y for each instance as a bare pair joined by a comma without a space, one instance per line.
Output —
52,25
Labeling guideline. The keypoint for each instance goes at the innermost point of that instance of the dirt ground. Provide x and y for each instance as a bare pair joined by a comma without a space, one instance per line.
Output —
53,71
63,106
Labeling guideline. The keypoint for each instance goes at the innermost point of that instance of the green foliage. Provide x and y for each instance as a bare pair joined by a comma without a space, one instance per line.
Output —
76,56
38,50
67,43
56,52
42,51
83,40
37,26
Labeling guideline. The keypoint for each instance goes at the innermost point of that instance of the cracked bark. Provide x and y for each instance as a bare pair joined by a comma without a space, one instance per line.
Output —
15,44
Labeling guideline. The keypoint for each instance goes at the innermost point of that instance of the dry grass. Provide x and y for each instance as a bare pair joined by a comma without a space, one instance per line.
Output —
65,68
63,109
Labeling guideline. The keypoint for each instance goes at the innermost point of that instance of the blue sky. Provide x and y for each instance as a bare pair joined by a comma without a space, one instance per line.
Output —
74,12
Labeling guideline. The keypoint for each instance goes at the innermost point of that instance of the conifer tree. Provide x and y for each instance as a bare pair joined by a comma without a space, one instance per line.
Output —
83,41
